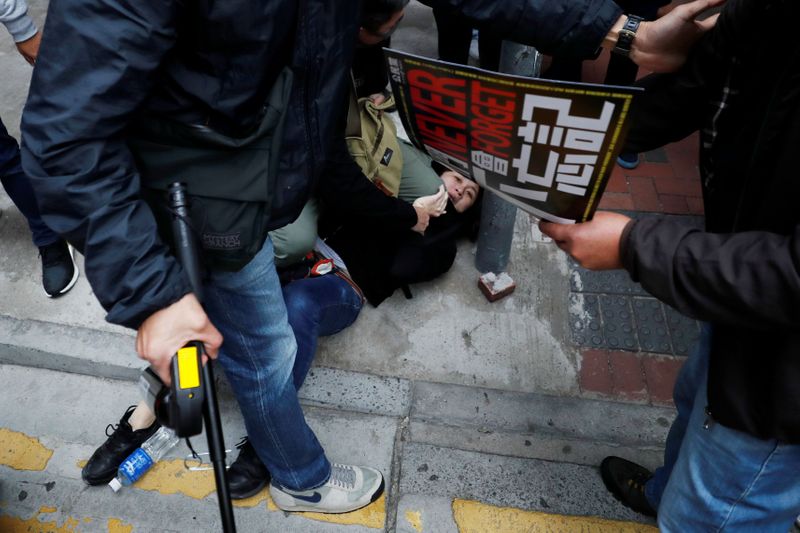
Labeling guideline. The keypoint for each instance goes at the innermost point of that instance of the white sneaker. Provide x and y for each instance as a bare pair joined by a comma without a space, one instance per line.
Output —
349,488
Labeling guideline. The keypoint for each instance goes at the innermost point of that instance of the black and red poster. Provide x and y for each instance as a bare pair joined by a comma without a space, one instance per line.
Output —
547,147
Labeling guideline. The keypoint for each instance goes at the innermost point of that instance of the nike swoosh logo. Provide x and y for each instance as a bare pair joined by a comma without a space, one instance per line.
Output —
314,498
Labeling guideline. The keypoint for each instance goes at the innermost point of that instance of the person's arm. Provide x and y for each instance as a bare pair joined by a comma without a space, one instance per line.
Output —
675,105
350,196
577,28
96,66
14,15
748,279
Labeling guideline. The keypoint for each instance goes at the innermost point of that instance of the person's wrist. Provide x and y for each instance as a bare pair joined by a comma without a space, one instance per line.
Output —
627,35
639,42
610,40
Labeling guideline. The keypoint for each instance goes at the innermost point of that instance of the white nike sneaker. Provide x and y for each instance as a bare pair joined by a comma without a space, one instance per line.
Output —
349,488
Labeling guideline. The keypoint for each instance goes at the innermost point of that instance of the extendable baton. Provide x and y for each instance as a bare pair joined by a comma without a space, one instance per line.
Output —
187,253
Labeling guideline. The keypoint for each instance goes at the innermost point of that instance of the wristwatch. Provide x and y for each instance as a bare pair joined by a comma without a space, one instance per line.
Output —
626,35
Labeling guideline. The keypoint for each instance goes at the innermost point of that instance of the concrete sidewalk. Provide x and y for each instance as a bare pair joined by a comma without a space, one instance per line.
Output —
482,417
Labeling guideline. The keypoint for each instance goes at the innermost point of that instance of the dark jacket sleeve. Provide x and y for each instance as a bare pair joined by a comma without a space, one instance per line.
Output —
349,197
96,66
674,105
574,28
748,279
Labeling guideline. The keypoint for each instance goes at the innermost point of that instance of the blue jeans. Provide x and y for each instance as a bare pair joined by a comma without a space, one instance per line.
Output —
716,478
258,355
19,189
318,307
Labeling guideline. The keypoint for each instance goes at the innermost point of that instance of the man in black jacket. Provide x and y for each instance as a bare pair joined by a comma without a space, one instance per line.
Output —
733,453
205,70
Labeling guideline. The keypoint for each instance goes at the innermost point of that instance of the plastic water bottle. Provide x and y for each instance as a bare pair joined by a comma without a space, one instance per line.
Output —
143,458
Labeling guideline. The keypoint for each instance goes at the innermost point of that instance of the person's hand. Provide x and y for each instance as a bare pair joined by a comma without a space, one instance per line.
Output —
594,244
377,98
423,219
165,331
663,44
29,49
433,204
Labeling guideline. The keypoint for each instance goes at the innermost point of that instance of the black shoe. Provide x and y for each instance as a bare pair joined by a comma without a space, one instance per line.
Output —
626,480
59,272
247,475
122,441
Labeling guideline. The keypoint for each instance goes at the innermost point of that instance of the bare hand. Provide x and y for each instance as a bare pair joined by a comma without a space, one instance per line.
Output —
662,45
29,49
434,204
594,244
165,331
423,219
377,98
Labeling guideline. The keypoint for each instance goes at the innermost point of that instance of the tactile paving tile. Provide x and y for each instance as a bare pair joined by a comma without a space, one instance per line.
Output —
584,321
651,325
618,323
683,331
602,281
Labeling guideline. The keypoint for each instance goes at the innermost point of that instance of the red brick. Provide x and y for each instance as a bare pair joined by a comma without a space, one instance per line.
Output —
685,148
660,372
595,375
679,186
627,376
644,194
695,205
652,170
686,168
615,200
617,182
673,204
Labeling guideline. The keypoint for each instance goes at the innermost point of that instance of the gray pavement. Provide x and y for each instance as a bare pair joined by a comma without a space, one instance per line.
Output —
455,399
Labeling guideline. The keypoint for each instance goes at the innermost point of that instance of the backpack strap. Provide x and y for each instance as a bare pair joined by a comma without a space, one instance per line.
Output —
353,128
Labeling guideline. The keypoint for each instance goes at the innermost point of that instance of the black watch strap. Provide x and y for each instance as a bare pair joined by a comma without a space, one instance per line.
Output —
626,35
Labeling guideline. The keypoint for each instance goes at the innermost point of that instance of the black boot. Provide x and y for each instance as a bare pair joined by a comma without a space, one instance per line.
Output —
104,462
626,480
247,475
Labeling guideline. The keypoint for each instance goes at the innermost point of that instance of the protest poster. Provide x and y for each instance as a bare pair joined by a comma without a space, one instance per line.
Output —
547,147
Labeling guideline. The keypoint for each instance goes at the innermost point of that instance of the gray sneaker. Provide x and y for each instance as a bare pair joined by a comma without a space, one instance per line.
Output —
349,488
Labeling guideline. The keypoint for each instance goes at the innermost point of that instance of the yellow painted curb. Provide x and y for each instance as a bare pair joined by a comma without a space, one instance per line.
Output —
21,452
476,517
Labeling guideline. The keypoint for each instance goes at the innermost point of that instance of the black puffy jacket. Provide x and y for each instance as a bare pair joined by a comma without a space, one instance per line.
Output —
104,61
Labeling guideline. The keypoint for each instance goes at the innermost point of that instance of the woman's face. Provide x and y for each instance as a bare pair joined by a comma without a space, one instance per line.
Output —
462,191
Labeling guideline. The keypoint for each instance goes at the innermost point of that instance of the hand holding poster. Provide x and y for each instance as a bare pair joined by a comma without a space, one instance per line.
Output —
547,147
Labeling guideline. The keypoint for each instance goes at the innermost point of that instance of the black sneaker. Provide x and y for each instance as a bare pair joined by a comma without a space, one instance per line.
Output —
59,272
626,480
247,475
122,441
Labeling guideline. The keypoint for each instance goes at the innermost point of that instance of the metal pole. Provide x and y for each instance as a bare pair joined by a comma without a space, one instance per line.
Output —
497,215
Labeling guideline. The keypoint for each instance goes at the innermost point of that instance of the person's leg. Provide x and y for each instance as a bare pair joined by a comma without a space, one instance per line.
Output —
418,177
293,241
632,484
19,189
318,307
489,47
691,378
258,354
454,34
726,480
